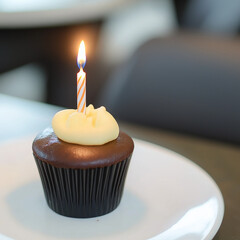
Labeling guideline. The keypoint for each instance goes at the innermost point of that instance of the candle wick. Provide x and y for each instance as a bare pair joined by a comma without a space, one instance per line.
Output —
81,64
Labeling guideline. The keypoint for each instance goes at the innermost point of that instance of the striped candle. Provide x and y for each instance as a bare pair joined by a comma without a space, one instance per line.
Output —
81,80
81,91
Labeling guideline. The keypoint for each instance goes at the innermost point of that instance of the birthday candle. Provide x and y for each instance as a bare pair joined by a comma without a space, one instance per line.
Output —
81,80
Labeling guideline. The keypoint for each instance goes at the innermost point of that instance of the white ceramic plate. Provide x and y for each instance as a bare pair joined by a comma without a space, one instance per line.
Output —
166,197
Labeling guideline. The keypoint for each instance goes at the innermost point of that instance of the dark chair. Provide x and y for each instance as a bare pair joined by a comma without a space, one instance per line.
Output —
186,83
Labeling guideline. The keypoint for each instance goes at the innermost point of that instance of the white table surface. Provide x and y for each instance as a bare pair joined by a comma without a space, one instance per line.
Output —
19,117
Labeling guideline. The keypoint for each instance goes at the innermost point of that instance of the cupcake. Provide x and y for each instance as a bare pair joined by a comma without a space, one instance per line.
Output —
83,162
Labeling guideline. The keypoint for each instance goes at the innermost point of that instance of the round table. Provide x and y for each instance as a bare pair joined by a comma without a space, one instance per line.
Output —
219,159
24,14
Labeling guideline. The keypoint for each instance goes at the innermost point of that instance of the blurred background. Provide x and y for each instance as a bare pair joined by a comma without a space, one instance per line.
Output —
160,63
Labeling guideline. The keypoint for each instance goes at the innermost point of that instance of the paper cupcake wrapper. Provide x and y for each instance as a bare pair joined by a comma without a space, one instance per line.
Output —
83,193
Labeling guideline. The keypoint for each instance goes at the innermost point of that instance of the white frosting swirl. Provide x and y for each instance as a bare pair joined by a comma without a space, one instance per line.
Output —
96,127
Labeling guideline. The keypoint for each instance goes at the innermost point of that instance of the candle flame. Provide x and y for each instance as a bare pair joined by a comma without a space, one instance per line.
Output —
81,59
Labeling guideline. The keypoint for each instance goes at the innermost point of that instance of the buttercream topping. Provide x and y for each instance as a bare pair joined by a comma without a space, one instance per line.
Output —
96,127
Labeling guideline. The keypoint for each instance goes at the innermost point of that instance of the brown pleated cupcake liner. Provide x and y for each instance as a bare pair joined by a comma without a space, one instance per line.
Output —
83,193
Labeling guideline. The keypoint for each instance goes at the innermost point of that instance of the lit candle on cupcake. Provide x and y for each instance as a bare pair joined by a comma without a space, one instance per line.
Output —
83,159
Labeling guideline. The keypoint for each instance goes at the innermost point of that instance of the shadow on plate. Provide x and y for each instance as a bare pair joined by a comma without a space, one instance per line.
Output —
28,206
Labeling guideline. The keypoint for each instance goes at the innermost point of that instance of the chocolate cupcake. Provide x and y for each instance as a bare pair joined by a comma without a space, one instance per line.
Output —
83,180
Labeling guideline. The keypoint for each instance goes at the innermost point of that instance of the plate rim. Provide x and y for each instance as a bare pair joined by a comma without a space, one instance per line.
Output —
218,222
